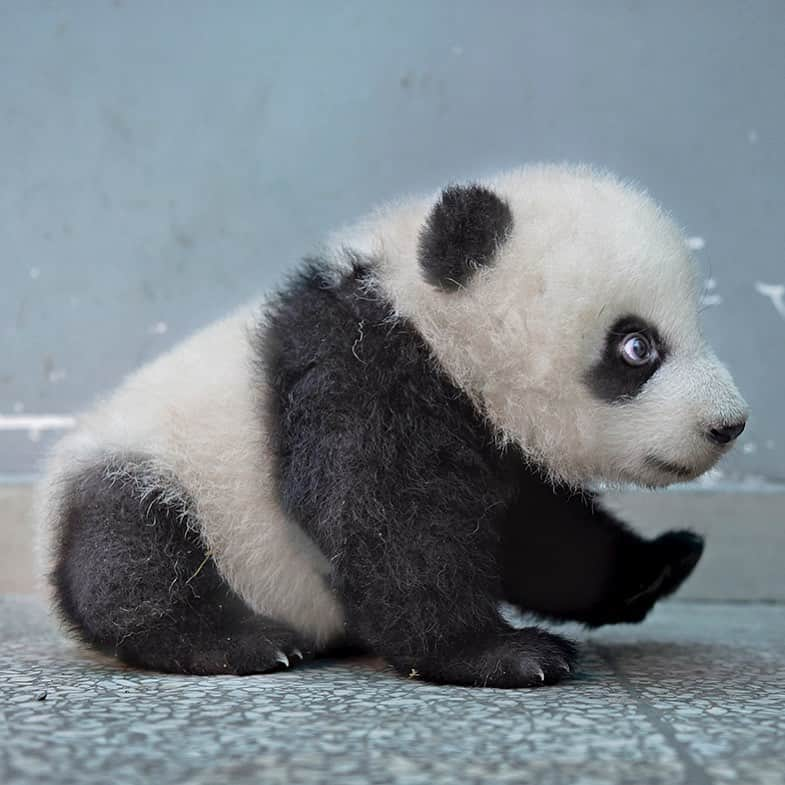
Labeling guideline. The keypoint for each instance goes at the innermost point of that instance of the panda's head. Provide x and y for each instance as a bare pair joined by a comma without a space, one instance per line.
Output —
565,303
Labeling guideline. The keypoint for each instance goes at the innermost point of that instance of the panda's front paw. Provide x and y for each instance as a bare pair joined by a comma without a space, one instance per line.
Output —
679,552
666,563
529,657
673,557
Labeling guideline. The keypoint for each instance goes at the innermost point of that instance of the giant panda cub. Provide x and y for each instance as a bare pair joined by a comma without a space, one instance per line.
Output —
400,440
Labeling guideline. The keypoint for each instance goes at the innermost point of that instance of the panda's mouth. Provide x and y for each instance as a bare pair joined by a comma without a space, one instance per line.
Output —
668,467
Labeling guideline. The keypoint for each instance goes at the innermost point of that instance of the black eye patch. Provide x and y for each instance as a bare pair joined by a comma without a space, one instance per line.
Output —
613,380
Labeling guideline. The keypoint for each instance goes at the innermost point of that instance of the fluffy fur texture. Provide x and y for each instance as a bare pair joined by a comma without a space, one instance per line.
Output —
399,441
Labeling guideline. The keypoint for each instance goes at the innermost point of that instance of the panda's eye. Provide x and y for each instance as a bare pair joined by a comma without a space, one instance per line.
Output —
637,349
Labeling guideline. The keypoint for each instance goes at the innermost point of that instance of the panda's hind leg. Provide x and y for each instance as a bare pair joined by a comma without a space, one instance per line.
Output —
132,578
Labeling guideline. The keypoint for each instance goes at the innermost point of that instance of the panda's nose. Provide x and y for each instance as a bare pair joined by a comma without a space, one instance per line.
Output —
723,434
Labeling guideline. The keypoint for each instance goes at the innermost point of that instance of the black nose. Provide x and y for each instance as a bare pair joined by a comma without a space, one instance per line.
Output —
722,434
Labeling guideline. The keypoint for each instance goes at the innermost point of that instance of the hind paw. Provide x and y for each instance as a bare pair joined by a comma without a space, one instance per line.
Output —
251,652
258,646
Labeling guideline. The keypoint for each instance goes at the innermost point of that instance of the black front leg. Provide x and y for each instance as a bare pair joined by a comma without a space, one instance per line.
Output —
565,557
421,589
392,471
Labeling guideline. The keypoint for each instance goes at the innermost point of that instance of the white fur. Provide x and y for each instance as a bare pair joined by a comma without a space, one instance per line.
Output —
585,249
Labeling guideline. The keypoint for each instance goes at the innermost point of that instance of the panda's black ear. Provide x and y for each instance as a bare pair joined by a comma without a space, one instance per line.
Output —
462,233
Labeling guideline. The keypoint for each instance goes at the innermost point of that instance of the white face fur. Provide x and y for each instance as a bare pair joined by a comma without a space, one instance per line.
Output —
528,335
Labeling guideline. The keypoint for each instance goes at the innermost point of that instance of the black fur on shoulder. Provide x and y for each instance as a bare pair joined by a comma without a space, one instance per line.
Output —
426,522
133,579
462,233
395,475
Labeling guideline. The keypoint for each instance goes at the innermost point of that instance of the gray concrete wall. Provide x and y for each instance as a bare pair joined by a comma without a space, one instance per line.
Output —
161,162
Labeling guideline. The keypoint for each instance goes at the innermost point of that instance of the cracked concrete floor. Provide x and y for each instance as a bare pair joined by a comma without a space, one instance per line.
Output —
695,695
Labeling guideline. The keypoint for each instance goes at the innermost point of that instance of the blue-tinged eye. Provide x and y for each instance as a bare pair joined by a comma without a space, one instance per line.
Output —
637,349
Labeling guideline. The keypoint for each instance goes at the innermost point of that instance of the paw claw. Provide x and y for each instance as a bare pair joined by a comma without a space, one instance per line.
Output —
297,653
282,658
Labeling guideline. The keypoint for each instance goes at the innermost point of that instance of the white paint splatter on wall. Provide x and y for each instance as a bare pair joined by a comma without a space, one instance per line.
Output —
775,292
709,296
36,424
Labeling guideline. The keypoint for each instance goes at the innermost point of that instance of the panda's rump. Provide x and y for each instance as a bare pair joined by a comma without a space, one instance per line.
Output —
195,415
